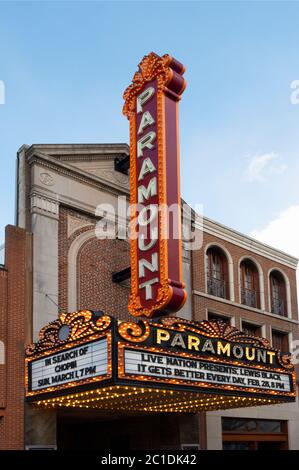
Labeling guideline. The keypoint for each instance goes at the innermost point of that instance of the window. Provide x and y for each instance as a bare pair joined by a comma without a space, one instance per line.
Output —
252,330
280,341
216,317
250,291
251,425
254,434
278,293
217,273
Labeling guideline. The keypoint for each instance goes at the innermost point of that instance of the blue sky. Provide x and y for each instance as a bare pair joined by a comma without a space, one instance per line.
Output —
65,66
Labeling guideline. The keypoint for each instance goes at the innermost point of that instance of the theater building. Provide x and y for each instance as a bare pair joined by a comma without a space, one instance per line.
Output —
230,277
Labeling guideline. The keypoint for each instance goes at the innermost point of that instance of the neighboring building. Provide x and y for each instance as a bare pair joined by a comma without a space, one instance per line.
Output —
232,277
15,326
253,287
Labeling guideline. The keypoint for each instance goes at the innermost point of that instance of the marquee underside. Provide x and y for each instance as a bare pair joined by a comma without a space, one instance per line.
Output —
131,399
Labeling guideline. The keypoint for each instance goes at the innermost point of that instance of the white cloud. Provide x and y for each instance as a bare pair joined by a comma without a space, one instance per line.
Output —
262,166
282,233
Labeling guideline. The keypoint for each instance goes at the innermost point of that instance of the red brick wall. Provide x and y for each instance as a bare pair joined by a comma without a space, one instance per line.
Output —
14,287
3,312
96,261
64,243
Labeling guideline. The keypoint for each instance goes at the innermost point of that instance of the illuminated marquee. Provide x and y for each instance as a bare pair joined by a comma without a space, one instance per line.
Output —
85,360
74,350
151,105
203,355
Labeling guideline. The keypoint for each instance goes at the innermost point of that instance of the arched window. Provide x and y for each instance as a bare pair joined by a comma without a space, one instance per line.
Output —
278,293
250,289
217,273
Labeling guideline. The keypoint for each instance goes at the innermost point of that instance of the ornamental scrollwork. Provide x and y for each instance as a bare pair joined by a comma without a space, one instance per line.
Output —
134,332
80,324
216,329
166,69
285,360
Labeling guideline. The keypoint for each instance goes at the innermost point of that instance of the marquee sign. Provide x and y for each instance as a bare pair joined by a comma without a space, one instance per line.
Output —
75,365
153,365
203,355
79,355
74,350
151,105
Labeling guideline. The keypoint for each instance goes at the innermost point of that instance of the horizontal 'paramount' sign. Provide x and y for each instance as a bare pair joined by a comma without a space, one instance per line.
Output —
199,344
201,355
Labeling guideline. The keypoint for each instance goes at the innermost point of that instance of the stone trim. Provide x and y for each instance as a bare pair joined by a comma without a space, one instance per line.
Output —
44,206
245,307
73,149
72,266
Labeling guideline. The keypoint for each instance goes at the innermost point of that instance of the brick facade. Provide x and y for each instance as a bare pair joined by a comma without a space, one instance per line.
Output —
237,252
96,260
203,303
15,284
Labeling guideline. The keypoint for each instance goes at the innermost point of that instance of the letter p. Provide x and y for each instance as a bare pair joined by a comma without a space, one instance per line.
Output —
144,97
162,335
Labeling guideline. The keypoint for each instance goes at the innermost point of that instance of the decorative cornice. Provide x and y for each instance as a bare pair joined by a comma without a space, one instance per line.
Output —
91,157
244,241
64,150
75,173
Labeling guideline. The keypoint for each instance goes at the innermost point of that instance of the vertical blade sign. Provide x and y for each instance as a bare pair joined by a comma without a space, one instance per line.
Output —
151,105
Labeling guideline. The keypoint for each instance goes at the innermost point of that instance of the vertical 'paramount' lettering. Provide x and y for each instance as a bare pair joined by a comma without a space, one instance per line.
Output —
151,104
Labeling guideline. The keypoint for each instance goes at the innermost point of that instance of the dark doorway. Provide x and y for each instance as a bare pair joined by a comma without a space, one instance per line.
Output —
91,432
